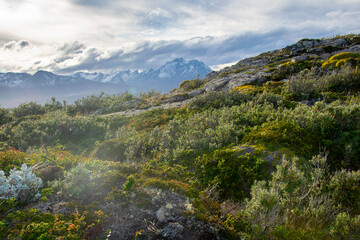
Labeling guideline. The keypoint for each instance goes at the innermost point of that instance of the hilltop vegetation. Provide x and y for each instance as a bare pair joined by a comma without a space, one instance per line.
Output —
266,149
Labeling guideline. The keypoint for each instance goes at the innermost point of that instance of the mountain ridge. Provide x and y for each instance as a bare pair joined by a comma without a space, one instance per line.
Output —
165,78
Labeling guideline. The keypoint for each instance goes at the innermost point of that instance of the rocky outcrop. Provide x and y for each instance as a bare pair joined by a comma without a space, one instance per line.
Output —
178,97
216,84
163,218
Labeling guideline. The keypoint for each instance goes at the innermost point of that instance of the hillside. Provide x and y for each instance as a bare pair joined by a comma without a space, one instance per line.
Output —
266,149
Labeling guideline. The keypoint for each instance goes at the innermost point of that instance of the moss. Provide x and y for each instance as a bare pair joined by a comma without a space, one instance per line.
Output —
273,87
329,49
276,55
109,150
188,85
288,68
238,70
340,59
356,40
248,89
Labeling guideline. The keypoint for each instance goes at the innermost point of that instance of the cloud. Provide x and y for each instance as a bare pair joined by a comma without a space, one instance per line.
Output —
72,48
158,18
152,54
103,35
16,45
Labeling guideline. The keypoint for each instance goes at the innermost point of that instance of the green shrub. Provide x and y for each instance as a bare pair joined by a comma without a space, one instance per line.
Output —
218,100
345,189
280,133
57,128
31,224
54,105
290,232
53,156
5,116
101,103
149,94
302,86
85,182
232,174
312,84
11,158
346,226
27,109
330,49
290,68
188,85
292,202
129,183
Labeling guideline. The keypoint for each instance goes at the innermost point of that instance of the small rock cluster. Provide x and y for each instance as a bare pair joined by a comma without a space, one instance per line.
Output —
164,218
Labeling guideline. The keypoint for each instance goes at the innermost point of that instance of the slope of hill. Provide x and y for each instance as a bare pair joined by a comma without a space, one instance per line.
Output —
266,149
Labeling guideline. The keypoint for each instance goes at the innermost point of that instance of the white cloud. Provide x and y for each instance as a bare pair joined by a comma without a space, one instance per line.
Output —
16,45
221,66
95,34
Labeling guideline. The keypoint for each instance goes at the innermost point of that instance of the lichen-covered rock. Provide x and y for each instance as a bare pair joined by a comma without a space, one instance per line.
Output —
172,231
310,43
162,214
195,93
244,78
335,42
177,98
216,84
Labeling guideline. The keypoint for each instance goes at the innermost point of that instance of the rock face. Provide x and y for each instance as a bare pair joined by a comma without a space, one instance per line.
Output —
172,231
335,42
216,84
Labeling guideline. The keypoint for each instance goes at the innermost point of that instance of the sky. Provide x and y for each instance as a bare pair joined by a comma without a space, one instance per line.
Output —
67,36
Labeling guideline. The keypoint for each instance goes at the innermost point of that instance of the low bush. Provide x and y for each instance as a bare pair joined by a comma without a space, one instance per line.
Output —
11,158
345,186
231,173
86,182
218,100
31,224
188,85
22,185
5,116
292,202
28,109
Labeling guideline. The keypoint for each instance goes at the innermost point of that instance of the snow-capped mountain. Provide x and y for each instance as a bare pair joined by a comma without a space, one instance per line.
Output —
165,78
39,79
16,88
15,79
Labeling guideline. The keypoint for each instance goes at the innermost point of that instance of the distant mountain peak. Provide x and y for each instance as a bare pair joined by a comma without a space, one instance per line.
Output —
165,78
179,60
42,73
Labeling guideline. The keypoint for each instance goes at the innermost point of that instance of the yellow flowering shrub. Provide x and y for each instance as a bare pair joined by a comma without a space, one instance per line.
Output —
340,59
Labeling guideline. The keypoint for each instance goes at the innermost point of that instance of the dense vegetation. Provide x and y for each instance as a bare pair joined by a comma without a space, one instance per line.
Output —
278,160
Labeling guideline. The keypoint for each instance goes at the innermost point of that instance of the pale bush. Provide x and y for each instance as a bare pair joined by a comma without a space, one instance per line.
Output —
293,196
22,185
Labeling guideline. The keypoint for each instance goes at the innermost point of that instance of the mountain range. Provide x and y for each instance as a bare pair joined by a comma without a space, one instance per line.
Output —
16,88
